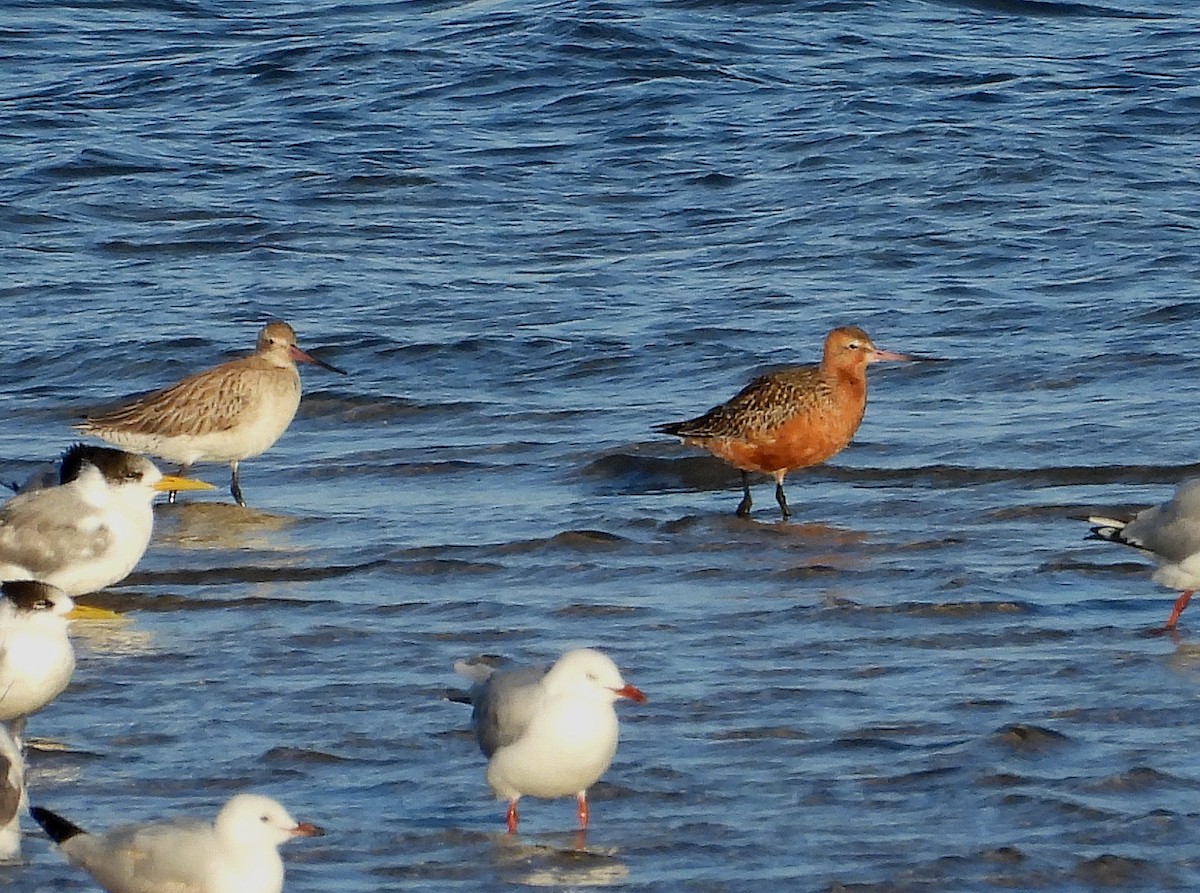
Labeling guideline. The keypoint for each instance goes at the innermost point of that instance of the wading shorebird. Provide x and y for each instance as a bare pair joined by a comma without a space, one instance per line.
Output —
1168,533
225,414
90,530
547,733
791,418
237,853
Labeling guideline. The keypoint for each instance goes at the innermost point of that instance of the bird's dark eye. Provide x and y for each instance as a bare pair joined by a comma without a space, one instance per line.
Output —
264,819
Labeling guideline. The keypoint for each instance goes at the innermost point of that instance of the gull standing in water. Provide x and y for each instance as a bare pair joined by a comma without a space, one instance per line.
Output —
92,529
238,853
225,414
791,418
1170,534
547,733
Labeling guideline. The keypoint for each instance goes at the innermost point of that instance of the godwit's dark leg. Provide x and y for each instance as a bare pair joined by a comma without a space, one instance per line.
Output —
782,499
743,508
235,486
1180,604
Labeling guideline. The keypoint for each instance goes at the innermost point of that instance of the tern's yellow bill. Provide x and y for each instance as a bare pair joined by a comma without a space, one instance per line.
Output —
173,483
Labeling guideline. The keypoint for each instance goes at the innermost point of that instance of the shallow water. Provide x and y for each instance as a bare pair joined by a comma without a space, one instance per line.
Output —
530,232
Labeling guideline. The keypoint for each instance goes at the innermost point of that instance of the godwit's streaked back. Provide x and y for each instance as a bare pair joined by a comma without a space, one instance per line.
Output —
791,418
225,414
92,529
547,733
1170,534
237,853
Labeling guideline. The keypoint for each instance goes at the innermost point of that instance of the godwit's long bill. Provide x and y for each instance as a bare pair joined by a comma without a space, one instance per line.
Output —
90,530
547,733
791,418
225,414
1170,534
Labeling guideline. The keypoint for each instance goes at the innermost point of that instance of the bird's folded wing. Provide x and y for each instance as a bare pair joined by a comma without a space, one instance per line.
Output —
205,403
168,857
504,706
44,530
763,405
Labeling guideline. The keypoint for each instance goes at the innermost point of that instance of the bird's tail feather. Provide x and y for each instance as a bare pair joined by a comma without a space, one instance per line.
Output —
1109,529
56,827
480,668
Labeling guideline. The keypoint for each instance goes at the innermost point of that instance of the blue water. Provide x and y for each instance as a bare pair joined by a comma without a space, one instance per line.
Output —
530,231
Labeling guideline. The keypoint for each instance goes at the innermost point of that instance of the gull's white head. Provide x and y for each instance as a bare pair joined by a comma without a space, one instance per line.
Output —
589,672
254,820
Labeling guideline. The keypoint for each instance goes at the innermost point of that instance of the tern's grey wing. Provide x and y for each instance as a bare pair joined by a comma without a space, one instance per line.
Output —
45,530
1172,530
504,705
166,857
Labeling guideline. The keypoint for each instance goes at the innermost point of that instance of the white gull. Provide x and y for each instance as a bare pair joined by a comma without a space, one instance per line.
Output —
547,733
1170,534
237,853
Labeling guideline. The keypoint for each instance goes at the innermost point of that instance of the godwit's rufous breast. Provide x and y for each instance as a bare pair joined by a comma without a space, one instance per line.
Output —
225,414
791,418
1170,534
90,530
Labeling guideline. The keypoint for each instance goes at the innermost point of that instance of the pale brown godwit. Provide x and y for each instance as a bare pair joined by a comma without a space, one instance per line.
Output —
225,414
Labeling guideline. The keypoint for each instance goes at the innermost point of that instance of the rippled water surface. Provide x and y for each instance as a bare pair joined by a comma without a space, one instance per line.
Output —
529,231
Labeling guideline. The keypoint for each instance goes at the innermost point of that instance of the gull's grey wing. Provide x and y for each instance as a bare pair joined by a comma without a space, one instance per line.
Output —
504,704
164,857
1172,530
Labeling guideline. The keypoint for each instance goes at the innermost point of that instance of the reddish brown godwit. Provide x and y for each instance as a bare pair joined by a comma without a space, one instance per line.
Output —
791,418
